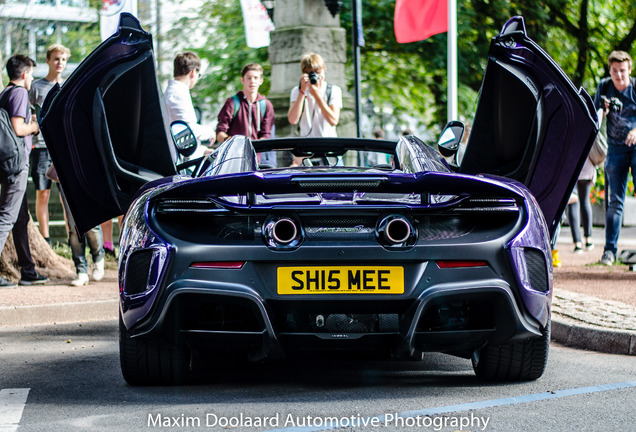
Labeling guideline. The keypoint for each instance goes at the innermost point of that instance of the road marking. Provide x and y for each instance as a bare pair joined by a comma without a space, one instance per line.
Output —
468,406
12,403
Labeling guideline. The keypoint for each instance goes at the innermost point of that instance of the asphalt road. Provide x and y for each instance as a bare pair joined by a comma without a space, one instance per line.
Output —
67,378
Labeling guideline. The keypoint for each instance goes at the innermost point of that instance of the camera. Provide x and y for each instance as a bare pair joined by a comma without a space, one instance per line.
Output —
615,105
313,77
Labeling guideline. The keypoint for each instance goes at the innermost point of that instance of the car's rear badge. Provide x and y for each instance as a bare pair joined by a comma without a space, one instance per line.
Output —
359,229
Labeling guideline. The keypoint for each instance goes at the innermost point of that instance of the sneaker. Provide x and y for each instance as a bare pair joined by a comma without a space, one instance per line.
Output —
556,260
82,279
110,253
33,279
589,246
608,258
98,270
6,284
578,248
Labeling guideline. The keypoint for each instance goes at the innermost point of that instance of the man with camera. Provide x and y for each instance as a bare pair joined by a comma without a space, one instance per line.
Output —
315,104
617,96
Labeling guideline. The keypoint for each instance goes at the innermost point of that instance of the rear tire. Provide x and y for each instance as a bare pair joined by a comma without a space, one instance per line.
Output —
515,361
147,362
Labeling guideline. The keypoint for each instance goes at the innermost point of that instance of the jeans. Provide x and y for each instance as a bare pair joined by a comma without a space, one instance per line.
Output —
11,197
14,216
620,159
21,240
93,238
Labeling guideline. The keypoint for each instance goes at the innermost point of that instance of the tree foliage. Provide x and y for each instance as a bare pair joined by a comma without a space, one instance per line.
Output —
80,38
221,44
399,79
411,78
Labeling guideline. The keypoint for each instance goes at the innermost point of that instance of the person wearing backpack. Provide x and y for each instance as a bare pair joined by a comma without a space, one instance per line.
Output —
247,113
14,211
315,104
617,97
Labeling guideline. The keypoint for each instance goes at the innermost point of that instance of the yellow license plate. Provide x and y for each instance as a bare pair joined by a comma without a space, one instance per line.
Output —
341,280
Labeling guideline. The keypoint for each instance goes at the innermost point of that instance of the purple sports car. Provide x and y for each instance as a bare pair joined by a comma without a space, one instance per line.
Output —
417,251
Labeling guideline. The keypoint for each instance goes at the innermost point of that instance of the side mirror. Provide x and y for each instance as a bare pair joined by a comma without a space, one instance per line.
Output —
448,142
184,139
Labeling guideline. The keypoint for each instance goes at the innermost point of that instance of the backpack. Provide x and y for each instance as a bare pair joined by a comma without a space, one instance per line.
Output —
328,93
262,105
12,154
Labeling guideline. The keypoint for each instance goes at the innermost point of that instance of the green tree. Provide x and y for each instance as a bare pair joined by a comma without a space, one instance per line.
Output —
590,30
220,25
399,79
411,78
80,38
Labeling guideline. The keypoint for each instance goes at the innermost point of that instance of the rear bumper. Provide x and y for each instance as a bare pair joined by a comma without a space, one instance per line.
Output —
455,318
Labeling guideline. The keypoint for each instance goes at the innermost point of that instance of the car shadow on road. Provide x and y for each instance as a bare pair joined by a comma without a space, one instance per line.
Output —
82,365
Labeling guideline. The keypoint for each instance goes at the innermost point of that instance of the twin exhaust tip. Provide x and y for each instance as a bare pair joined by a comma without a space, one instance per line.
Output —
285,232
395,230
282,232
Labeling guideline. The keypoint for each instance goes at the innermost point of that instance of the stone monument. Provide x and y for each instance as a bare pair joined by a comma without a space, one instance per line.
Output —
305,26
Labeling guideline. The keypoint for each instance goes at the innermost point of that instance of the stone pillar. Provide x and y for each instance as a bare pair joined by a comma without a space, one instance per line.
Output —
304,26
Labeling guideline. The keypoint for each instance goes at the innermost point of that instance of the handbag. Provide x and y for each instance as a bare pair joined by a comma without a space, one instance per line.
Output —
598,152
51,174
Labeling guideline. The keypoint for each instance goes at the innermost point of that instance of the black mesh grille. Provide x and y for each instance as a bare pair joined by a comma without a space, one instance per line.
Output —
137,271
537,269
219,314
448,227
330,183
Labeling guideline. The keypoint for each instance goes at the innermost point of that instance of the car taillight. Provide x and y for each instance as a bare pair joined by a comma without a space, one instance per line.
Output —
219,265
460,264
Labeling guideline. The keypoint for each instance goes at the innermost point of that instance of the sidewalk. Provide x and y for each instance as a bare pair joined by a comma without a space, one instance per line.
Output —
57,302
594,307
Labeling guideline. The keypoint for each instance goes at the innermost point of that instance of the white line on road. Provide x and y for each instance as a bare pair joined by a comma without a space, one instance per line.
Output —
12,403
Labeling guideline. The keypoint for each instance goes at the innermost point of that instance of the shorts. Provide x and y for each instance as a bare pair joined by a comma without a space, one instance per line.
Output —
40,163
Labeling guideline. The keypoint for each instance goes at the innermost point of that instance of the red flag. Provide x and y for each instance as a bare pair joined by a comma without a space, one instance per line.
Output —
417,20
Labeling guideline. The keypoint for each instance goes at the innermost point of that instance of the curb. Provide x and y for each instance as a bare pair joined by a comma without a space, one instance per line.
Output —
20,316
576,334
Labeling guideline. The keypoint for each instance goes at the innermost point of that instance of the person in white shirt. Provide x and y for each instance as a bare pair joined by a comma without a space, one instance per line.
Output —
312,105
315,104
56,59
177,95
